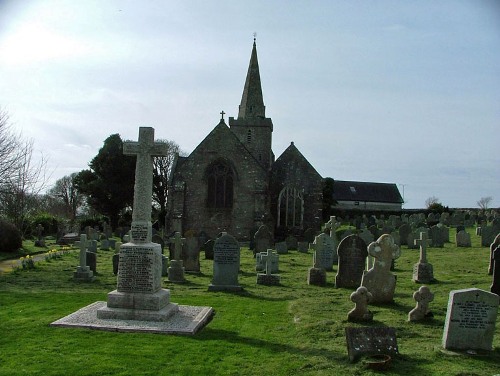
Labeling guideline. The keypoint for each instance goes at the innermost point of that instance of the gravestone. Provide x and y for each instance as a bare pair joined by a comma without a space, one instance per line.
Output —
470,320
365,341
303,247
462,239
361,297
488,235
436,237
191,254
91,261
423,296
83,272
262,240
281,248
325,255
291,242
316,276
226,264
40,241
116,257
104,246
379,280
493,246
264,259
352,255
268,278
176,268
139,295
366,235
495,285
208,249
422,270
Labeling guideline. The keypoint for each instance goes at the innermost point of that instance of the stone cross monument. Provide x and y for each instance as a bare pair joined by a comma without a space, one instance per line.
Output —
83,272
139,295
423,271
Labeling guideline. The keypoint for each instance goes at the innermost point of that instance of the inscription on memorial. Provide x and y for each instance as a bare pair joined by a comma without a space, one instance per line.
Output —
136,270
139,232
226,253
472,315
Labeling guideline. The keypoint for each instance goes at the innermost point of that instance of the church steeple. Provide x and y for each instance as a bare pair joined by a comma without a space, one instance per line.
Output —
252,102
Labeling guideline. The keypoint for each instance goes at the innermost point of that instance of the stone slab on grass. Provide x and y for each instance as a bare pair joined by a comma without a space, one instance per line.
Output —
187,321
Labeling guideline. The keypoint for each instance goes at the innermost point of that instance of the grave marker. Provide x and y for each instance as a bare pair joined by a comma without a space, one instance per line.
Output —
226,264
422,270
352,255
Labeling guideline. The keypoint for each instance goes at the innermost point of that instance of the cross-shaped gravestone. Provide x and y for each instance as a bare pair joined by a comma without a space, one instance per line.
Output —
423,296
83,250
268,258
177,241
144,149
333,225
423,242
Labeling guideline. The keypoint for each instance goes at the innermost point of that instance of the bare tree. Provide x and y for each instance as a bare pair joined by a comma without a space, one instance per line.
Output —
484,202
431,201
65,191
21,178
162,168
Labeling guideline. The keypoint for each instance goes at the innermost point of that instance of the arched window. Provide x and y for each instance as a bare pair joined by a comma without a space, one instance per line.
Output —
291,208
220,185
249,136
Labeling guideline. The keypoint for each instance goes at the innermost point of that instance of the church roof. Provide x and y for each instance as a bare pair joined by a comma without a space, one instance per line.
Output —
252,101
365,191
292,155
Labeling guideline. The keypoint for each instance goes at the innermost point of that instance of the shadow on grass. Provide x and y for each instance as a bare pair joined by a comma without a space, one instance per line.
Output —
248,294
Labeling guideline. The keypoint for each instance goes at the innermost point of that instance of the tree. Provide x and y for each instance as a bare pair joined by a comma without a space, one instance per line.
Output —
431,201
484,202
109,183
162,167
21,177
66,193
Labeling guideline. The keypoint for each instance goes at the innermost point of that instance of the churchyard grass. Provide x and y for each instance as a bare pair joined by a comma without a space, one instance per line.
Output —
292,329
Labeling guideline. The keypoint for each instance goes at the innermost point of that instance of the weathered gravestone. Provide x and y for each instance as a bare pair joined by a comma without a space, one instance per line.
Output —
423,296
366,341
208,249
262,240
226,264
422,270
488,234
267,259
268,278
291,242
91,261
495,285
379,280
325,253
281,248
191,254
352,255
462,239
361,297
366,235
493,246
176,268
83,272
139,295
437,236
470,320
303,247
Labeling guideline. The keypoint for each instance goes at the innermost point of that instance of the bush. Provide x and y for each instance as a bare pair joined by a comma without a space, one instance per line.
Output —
49,223
10,237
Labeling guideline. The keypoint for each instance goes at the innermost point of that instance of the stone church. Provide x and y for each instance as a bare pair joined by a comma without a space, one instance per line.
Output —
232,182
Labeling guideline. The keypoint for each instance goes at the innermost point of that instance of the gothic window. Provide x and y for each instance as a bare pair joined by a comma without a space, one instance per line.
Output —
220,185
291,207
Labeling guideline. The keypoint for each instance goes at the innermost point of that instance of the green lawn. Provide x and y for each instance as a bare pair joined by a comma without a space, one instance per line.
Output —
292,329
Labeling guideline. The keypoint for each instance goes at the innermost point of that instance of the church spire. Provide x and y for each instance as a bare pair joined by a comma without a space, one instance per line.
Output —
252,102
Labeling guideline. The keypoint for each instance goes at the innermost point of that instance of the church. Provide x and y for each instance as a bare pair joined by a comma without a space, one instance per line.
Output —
232,182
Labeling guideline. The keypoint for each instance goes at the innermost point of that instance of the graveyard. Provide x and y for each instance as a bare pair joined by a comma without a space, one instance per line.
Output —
290,328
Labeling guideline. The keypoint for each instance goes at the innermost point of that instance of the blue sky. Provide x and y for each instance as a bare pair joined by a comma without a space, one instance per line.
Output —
382,91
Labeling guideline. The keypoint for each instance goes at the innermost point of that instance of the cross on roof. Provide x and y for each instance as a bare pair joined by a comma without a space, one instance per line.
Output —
222,114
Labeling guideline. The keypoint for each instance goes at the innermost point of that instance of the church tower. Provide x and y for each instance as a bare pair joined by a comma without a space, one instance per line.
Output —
252,127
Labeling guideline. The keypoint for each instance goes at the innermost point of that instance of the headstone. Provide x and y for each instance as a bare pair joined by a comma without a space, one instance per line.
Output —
83,272
352,258
104,245
316,276
176,268
332,225
379,280
268,278
366,341
191,254
164,266
493,246
91,261
366,235
462,239
40,241
281,248
265,259
262,240
208,248
112,243
92,246
495,285
423,296
226,264
303,247
488,235
139,295
291,242
436,237
470,320
422,270
361,297
325,255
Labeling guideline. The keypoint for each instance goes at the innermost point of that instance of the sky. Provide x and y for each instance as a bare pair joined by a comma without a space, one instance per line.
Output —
404,92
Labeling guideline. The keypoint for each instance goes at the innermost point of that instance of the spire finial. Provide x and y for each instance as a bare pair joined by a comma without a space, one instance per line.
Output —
254,36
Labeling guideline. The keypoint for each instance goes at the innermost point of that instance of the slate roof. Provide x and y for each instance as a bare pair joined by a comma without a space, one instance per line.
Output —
367,192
